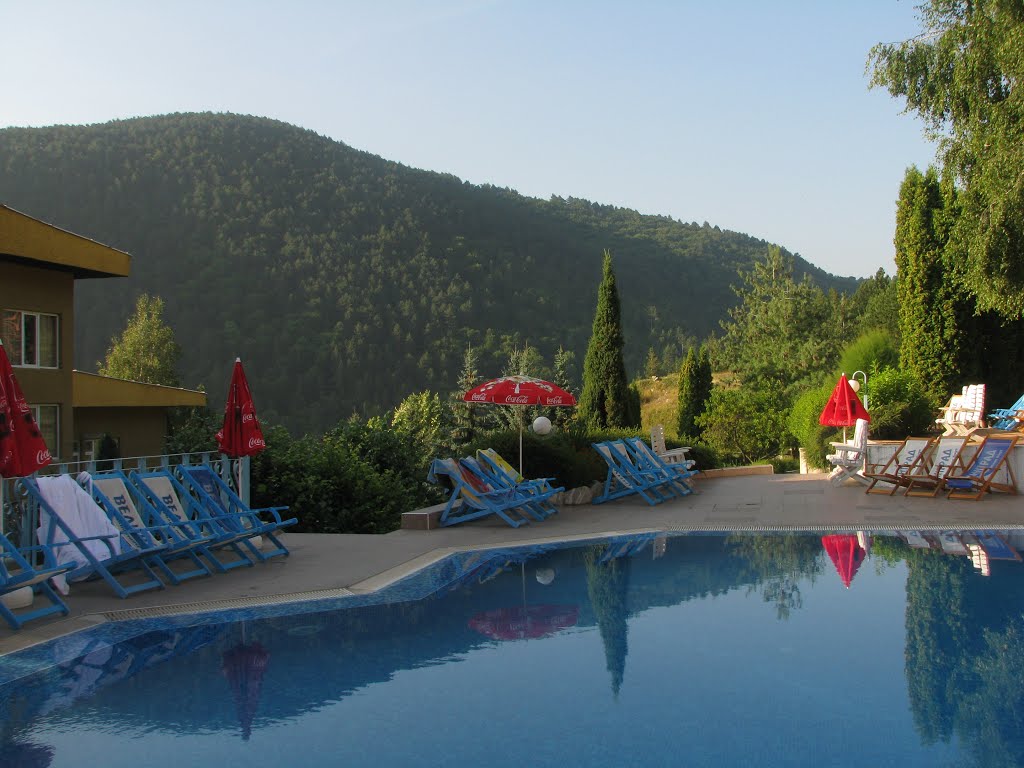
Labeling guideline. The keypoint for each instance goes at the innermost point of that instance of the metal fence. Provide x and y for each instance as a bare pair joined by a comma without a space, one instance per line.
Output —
19,518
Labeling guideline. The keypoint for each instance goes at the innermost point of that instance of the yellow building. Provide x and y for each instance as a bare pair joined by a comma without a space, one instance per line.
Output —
39,264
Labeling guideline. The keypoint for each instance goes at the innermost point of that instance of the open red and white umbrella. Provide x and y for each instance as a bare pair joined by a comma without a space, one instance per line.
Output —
241,434
22,446
520,391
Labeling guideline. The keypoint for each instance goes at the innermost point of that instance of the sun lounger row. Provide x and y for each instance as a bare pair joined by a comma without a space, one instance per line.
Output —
634,468
486,484
111,524
929,466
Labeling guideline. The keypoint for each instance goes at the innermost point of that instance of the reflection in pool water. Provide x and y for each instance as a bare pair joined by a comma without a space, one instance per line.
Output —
649,650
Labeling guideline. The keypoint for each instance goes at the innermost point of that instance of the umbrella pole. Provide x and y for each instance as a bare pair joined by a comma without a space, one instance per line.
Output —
521,442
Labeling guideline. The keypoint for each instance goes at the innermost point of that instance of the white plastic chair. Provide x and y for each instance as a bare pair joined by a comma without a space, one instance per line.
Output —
675,456
849,459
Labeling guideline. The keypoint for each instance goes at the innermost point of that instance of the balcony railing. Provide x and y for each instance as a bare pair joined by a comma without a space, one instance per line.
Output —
19,519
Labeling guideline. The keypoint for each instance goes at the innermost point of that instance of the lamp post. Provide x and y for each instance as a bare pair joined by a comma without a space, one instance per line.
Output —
855,385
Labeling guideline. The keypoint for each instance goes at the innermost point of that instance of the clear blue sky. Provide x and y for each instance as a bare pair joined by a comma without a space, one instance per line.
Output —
753,116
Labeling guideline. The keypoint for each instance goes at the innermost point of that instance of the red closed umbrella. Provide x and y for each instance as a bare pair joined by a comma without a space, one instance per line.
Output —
244,667
241,434
843,407
521,391
846,554
22,446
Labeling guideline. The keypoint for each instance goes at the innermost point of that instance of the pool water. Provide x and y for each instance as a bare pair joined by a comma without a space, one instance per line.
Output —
698,650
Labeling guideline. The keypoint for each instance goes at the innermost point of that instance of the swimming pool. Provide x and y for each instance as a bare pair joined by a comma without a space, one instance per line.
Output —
648,650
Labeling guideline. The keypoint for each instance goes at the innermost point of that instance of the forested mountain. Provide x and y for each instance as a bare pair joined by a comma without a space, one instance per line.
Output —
343,280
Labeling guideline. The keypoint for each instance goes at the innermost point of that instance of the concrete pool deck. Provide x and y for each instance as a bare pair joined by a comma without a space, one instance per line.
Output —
352,563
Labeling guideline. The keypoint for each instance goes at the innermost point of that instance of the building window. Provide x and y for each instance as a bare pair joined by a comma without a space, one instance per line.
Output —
48,419
32,339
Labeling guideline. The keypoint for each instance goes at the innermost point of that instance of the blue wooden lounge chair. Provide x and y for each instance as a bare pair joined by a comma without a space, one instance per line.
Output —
530,503
107,554
175,505
469,499
980,475
131,510
1008,419
646,458
505,475
624,478
16,572
219,500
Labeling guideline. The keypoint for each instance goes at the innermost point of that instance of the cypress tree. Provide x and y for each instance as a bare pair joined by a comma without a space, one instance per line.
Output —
604,400
694,391
928,306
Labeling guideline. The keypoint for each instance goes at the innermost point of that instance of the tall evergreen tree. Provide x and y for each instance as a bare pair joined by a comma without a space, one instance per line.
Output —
463,413
146,350
604,400
694,391
927,302
563,377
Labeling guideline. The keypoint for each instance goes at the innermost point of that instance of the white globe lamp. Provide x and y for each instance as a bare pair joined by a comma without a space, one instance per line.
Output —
541,425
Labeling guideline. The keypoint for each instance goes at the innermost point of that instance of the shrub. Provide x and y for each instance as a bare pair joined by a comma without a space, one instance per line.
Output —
870,351
899,405
803,424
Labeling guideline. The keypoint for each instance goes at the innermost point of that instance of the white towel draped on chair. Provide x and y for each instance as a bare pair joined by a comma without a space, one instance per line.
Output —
82,515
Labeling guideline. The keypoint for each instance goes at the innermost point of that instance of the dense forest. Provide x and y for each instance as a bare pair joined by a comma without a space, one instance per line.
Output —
346,281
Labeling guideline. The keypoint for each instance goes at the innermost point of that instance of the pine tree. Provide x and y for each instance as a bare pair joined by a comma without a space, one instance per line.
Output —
603,402
146,350
463,413
564,363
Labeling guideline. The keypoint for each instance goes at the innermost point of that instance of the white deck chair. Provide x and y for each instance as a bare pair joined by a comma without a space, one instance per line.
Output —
674,456
849,459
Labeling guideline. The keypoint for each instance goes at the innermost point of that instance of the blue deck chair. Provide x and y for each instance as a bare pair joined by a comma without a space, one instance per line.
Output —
484,481
123,502
1008,419
218,498
173,502
469,499
980,475
104,555
505,475
17,572
624,478
645,458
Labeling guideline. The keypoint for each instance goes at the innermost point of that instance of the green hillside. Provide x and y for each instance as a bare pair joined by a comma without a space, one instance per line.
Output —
346,281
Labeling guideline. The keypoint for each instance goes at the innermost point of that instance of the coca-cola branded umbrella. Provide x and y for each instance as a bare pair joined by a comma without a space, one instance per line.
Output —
521,622
241,434
519,391
22,446
843,407
846,554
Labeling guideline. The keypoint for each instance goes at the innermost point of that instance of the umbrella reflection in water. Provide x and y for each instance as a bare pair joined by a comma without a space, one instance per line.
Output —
244,666
526,622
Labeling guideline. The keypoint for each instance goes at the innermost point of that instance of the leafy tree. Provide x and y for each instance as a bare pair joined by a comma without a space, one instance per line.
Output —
877,306
565,362
874,349
746,424
694,391
603,402
653,365
960,76
425,419
192,430
146,350
900,406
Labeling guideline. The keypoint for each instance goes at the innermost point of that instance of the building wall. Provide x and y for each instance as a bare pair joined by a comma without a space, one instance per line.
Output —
33,289
139,431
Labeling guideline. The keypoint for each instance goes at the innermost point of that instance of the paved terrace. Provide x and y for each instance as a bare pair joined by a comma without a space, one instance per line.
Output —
333,564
